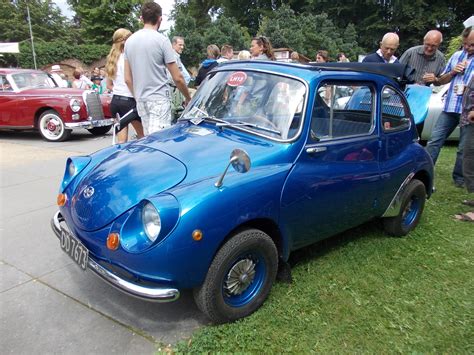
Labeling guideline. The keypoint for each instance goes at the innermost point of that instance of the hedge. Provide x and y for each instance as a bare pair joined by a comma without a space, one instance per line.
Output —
53,52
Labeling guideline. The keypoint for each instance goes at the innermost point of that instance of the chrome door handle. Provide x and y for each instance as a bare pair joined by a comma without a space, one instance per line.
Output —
314,150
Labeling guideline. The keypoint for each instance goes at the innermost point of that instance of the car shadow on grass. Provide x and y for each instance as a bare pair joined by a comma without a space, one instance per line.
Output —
372,230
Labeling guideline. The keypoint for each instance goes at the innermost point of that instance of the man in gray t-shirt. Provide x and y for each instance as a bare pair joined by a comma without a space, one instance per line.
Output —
147,56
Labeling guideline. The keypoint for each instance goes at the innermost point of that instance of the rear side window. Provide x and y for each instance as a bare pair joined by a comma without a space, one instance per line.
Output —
395,114
342,110
4,84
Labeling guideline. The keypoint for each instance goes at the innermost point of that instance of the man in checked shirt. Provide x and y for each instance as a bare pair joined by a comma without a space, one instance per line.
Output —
458,72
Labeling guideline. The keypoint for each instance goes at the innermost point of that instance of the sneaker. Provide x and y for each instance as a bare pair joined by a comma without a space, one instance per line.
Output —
459,184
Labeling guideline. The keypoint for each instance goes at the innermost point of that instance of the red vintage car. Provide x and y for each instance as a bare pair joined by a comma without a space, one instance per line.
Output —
30,99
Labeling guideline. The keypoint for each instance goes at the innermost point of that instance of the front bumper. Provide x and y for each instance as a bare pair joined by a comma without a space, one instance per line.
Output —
158,294
91,123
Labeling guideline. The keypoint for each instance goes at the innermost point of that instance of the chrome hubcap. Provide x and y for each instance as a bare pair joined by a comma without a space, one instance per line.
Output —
239,277
51,126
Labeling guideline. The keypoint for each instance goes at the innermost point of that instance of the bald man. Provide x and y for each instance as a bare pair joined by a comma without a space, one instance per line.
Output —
426,59
385,54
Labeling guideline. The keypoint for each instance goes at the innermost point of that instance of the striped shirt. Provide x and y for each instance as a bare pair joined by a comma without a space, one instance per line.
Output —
453,101
415,58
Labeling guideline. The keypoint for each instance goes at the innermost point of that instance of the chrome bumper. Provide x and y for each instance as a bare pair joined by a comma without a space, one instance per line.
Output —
158,294
91,123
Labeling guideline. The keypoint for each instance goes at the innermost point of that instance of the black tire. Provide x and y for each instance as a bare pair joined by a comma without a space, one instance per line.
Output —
218,297
99,131
52,127
413,201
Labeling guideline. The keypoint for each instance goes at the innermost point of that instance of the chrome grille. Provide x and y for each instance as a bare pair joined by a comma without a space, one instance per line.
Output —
94,105
82,210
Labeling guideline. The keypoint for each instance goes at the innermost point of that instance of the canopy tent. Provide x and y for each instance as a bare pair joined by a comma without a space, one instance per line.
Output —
9,47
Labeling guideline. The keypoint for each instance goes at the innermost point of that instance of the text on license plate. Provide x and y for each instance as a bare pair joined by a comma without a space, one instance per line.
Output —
74,248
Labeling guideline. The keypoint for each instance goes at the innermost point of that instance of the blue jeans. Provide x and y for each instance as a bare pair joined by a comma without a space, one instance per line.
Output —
468,157
445,125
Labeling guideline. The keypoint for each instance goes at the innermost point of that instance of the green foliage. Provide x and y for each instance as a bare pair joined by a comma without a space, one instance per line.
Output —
249,13
185,25
308,33
411,19
53,52
226,30
98,20
365,292
454,45
46,21
223,30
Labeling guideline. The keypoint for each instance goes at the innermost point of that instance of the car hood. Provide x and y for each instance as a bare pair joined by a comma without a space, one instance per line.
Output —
65,92
120,182
205,150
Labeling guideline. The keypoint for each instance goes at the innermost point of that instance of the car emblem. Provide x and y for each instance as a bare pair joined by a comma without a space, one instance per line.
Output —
88,192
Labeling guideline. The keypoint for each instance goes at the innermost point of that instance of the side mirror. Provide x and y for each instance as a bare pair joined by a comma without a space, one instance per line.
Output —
240,161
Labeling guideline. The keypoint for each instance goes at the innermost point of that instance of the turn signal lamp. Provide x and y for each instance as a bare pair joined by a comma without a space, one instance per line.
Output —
61,200
197,235
113,241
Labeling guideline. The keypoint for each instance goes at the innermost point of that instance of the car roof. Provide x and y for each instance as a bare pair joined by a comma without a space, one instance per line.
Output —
400,73
6,71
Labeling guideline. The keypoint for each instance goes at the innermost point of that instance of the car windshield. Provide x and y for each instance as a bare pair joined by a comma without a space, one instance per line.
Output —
33,80
265,103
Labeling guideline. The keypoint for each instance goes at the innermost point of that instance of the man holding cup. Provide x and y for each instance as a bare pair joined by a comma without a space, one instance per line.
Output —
458,72
426,59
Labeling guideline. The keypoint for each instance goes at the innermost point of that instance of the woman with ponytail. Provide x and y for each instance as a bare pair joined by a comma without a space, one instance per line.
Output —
122,99
261,48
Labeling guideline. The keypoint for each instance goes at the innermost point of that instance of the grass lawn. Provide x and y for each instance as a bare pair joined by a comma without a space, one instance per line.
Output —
364,291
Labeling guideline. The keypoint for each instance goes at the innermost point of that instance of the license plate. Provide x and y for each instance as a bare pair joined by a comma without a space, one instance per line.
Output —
74,248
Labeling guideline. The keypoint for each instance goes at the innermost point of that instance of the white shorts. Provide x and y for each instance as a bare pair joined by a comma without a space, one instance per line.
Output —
155,115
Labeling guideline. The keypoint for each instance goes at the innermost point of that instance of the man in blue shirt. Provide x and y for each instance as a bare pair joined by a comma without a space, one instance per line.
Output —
458,72
385,54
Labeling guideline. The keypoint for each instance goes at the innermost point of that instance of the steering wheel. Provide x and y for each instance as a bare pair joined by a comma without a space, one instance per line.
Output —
264,122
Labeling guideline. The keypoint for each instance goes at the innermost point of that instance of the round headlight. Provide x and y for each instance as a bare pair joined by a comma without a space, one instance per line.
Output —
151,221
75,105
71,169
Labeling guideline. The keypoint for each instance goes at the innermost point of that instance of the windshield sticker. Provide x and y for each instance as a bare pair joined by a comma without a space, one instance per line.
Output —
237,79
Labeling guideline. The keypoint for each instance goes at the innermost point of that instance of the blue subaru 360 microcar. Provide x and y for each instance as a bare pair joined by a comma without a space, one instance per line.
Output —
267,158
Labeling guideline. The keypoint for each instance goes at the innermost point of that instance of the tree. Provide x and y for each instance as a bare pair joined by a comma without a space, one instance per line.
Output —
249,13
46,21
223,30
185,26
98,20
410,19
226,30
307,33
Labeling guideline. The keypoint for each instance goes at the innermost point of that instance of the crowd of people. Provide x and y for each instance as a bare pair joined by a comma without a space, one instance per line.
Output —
80,79
147,78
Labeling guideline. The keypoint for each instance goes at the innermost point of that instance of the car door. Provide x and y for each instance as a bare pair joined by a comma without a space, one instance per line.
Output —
8,103
333,185
396,156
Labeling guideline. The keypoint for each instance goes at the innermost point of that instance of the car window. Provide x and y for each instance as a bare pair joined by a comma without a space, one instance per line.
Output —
395,114
33,80
5,84
342,110
267,104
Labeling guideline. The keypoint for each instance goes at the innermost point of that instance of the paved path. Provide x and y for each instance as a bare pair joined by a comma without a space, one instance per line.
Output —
47,304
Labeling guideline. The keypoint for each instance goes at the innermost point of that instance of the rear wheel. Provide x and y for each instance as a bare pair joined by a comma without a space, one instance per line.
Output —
239,278
99,131
413,201
52,127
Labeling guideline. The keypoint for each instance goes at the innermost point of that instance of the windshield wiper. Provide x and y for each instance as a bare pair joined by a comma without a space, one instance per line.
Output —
247,124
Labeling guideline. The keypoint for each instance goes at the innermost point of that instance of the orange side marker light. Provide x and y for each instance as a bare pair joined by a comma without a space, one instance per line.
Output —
61,199
197,235
113,241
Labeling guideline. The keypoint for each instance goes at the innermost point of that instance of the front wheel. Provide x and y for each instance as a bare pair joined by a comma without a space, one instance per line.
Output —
52,127
413,201
240,277
99,131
